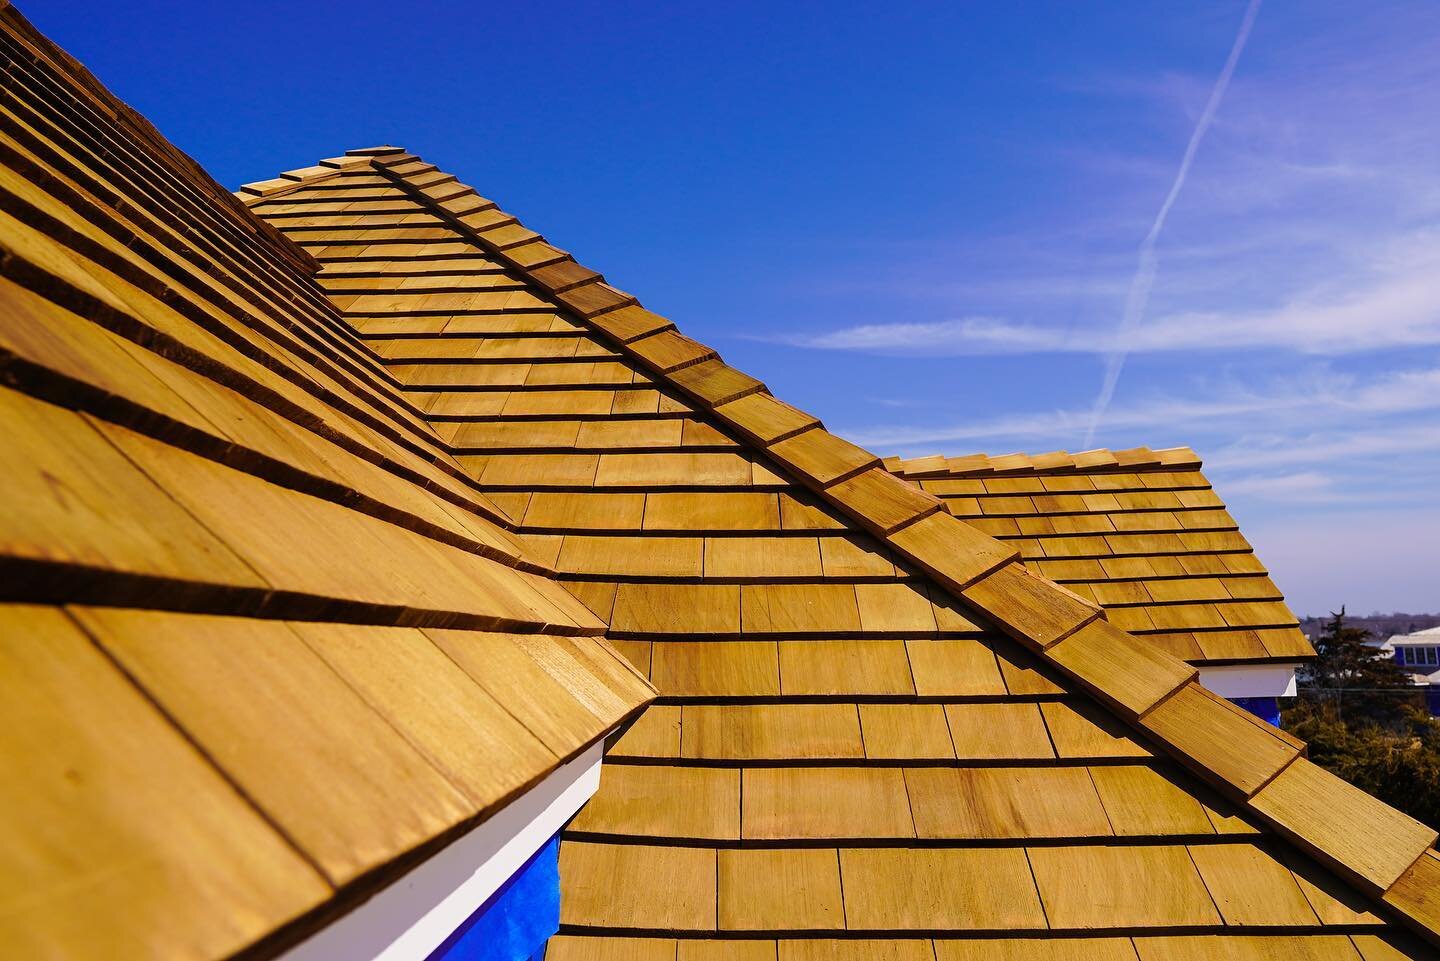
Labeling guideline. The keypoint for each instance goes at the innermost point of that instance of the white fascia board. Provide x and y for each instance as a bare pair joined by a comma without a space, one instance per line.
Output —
1250,680
414,915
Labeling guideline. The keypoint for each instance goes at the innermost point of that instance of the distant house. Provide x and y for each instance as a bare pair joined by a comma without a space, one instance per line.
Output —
1419,654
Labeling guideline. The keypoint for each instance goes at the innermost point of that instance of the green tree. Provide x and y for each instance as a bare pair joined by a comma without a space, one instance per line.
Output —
1354,682
1365,722
1400,767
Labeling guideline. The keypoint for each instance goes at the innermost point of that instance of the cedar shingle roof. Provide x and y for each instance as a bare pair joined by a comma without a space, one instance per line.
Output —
288,516
264,642
878,735
1139,532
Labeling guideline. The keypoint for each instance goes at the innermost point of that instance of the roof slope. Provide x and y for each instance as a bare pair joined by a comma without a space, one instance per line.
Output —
262,641
878,735
1139,532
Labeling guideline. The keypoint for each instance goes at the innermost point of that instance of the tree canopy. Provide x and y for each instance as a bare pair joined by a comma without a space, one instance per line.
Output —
1366,722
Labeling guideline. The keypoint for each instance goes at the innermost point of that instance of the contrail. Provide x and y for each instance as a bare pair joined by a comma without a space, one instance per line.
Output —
1144,278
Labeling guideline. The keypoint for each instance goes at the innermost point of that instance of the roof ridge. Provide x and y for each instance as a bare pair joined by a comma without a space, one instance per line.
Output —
290,180
1050,462
1385,853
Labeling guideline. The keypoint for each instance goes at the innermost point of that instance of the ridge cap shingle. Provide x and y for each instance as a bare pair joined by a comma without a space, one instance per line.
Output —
1138,458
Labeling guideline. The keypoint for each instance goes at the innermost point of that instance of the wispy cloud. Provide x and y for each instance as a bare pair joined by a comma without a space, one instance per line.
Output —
1355,447
1395,302
1284,410
1308,486
1144,279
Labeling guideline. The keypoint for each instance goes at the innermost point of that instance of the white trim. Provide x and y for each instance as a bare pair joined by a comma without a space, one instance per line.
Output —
413,916
1250,680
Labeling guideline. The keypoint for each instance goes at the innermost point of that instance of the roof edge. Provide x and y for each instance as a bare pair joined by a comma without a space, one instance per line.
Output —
135,124
1381,851
1052,462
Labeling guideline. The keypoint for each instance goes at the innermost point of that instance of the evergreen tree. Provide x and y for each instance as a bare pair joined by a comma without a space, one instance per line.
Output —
1400,767
1356,682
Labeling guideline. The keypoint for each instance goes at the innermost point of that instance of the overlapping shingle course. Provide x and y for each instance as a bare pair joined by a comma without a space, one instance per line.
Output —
1139,532
859,691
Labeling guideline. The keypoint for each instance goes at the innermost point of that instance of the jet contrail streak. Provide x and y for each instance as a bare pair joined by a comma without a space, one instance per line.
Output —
1144,278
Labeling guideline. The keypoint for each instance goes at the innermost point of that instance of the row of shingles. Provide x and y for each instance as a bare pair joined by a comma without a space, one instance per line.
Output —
59,212
1382,851
292,457
1156,549
1314,947
859,890
179,353
246,279
373,769
973,465
1253,884
785,741
117,516
1078,803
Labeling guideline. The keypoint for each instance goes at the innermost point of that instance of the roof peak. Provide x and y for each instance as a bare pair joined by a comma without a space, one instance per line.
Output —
380,151
1059,461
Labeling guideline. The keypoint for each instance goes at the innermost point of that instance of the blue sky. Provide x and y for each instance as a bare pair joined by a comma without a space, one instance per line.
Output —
924,222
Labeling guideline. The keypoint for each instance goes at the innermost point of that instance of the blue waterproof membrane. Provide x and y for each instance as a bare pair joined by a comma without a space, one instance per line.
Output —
1265,708
517,920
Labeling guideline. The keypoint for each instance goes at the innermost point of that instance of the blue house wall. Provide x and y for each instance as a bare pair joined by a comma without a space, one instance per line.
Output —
517,920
